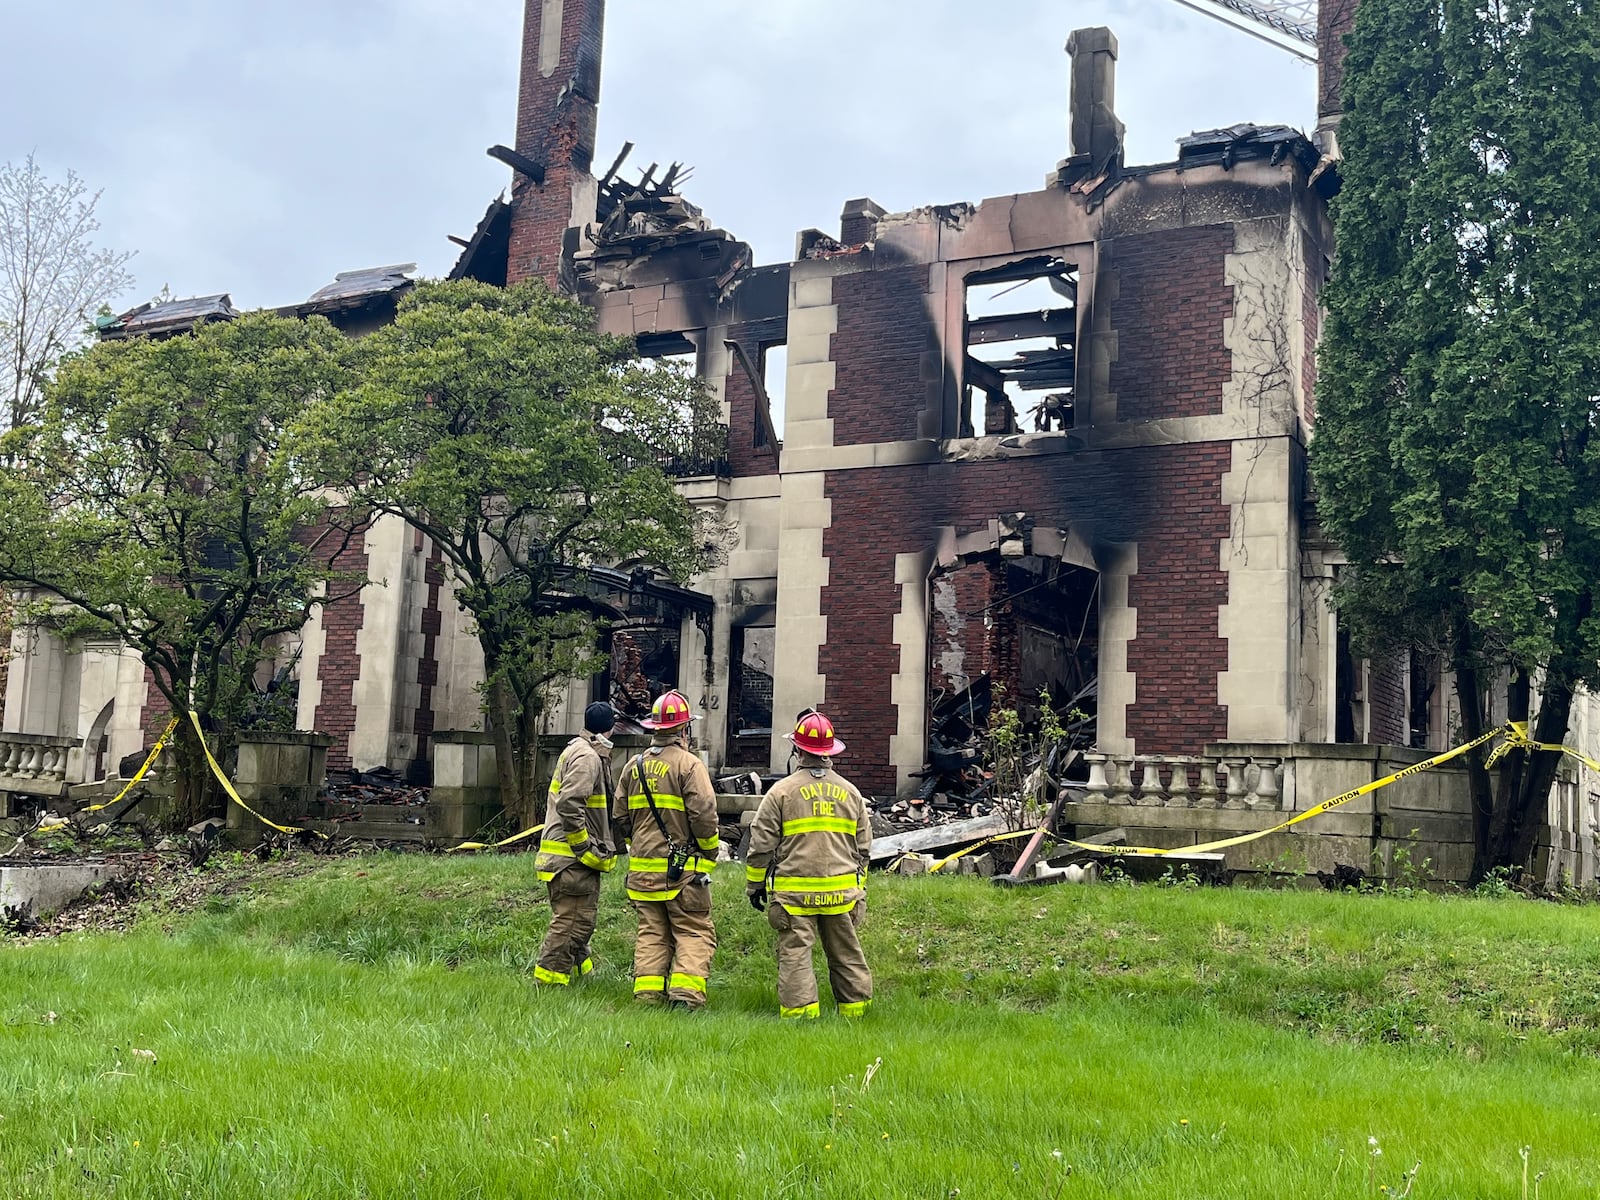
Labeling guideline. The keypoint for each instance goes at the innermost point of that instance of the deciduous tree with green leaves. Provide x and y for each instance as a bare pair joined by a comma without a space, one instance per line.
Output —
154,502
526,447
1455,457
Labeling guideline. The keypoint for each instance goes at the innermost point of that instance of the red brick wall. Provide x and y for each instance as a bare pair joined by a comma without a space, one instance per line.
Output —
1178,651
1334,20
1167,499
884,331
428,665
157,709
1172,298
340,664
556,127
1386,693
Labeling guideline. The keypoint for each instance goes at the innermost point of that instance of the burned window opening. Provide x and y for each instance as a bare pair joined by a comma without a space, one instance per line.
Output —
765,433
1026,627
704,448
1349,692
642,663
1020,347
676,348
1424,681
751,649
775,379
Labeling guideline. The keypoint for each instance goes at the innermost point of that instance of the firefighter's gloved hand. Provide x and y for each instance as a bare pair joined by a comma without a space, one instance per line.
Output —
597,862
758,899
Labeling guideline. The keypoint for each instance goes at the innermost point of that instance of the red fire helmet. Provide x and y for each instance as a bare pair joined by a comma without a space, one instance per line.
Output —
814,735
670,711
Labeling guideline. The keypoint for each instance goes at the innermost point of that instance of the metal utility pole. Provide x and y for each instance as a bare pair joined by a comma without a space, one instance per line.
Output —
1287,24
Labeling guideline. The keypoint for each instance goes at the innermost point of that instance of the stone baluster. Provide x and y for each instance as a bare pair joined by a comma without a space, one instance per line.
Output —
1236,788
1267,793
1178,790
9,752
28,767
54,764
1206,797
1150,783
1097,785
1120,785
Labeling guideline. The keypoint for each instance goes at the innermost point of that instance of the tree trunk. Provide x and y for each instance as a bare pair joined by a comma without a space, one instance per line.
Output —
503,722
1508,779
1530,803
192,785
528,765
1481,791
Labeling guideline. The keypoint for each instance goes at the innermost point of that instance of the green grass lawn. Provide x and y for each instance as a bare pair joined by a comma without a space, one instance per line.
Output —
370,1029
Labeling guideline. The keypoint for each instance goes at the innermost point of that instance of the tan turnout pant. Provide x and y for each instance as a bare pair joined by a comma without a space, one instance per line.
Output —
672,956
574,903
848,973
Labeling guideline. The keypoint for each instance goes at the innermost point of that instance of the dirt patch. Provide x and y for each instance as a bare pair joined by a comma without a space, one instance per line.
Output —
156,884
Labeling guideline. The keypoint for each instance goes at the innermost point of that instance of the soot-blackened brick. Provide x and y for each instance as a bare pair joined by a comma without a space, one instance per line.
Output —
1386,685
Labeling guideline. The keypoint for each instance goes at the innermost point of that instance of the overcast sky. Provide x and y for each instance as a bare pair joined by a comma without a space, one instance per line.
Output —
258,149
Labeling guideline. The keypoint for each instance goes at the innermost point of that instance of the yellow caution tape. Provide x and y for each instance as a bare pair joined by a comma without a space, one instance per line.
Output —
999,837
143,767
1517,738
516,837
227,785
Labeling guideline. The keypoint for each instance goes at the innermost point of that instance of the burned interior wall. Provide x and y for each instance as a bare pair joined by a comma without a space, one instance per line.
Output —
754,436
1028,623
967,617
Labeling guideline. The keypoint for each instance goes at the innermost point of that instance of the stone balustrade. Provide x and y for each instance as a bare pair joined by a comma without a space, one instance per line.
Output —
34,763
1242,781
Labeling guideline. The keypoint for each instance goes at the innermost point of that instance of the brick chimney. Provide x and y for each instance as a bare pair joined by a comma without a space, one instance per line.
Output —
1096,132
1334,20
556,112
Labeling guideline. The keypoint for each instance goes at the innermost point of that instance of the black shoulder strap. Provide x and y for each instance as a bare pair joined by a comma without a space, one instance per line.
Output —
650,799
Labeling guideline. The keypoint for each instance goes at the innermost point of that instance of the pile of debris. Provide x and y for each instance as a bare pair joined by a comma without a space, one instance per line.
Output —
381,785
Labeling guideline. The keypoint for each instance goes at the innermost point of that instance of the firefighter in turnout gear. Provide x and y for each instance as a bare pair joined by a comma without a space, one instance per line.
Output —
807,869
665,800
575,847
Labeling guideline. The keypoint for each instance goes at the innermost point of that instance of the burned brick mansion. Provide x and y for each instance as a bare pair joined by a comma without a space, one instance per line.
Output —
1048,441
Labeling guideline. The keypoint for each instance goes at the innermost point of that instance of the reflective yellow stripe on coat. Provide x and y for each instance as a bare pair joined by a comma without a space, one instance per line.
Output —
819,825
814,883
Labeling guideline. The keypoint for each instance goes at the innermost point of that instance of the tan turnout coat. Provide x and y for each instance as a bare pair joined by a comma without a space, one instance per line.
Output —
813,832
684,797
577,827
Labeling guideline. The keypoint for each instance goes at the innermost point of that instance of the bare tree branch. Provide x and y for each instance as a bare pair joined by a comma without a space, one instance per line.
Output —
52,279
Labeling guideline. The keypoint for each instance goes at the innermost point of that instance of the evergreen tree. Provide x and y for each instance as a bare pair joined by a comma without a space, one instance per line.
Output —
1454,456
